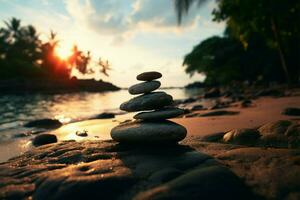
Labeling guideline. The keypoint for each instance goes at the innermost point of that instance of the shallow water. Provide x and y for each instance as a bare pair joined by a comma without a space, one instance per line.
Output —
15,110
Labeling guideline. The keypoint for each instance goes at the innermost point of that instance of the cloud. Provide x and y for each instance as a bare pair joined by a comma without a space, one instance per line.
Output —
123,18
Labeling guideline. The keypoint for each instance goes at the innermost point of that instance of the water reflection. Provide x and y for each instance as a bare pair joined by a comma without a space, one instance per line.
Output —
17,109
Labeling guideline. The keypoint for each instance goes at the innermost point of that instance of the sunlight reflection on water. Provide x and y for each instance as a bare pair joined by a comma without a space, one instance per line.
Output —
18,109
15,110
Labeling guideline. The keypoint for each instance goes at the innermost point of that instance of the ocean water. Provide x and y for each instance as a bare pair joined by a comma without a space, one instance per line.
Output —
16,110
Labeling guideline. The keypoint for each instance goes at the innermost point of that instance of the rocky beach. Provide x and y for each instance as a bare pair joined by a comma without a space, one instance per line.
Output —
242,145
149,100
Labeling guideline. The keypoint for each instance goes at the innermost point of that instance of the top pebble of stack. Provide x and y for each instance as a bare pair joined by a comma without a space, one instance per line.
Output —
149,76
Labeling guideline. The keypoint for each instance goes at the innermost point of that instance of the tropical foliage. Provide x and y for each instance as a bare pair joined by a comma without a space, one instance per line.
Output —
24,55
263,38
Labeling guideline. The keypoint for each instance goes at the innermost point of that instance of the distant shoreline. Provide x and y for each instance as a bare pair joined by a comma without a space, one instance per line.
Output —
53,86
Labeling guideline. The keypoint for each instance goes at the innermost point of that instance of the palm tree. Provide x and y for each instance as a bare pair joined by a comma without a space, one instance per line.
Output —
105,66
182,7
48,53
13,27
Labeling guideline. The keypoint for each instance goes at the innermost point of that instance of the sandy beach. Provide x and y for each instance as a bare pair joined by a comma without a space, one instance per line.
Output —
262,111
248,166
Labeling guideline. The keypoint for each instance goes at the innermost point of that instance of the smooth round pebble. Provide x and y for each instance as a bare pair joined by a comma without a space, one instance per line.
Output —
151,101
165,113
149,132
144,87
148,76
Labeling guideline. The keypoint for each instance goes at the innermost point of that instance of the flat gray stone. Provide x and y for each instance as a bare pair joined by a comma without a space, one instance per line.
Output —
144,87
149,132
165,113
148,76
151,101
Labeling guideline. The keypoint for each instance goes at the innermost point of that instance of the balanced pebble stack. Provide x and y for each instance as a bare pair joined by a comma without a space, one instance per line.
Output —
151,125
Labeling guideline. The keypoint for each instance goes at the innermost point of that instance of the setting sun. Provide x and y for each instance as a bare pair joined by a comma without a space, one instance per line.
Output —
63,52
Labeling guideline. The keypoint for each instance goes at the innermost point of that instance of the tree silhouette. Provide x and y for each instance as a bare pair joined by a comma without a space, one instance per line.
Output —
275,22
182,7
105,66
80,60
24,55
19,50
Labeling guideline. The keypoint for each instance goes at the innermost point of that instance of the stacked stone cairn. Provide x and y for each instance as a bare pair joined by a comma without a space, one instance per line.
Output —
151,126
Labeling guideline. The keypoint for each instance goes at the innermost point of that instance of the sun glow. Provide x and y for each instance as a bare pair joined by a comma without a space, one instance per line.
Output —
63,52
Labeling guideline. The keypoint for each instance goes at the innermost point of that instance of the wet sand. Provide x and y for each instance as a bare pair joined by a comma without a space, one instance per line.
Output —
263,110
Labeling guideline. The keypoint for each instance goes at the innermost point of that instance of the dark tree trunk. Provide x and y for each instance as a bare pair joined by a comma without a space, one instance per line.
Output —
280,51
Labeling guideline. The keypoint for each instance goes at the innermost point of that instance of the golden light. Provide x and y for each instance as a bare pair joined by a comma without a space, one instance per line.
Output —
63,52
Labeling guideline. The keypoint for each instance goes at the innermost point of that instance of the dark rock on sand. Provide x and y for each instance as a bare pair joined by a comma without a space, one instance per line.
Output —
165,113
189,100
219,105
274,140
283,134
104,115
246,103
293,134
44,139
219,113
144,87
242,136
197,107
44,123
278,127
82,133
148,76
215,137
212,93
291,111
149,132
151,101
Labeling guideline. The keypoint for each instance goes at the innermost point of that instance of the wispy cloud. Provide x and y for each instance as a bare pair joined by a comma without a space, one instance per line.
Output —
134,35
122,19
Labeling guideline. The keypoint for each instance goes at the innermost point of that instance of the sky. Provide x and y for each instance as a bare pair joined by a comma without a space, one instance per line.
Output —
133,35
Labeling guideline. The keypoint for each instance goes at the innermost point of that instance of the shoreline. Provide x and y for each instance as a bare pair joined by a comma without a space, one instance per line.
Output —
263,110
203,165
54,86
